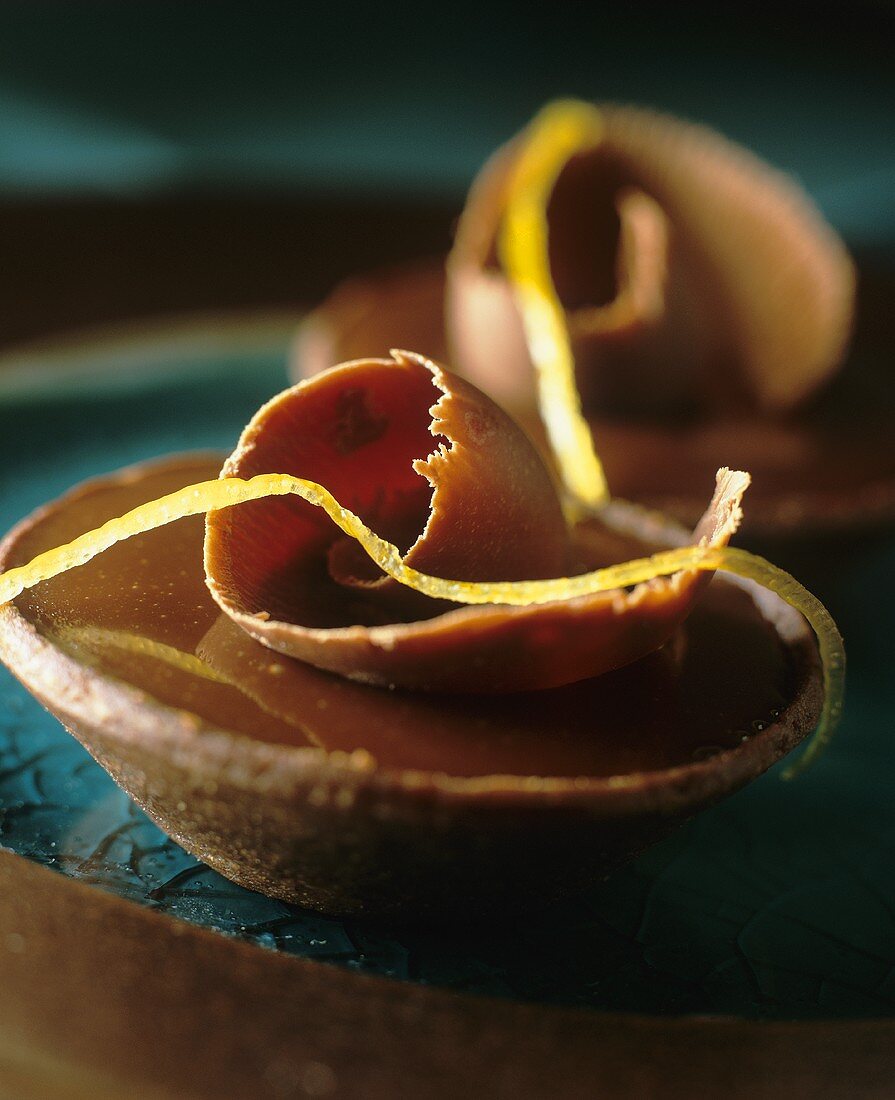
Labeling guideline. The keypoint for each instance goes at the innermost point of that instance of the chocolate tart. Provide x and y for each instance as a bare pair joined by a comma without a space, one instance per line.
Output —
357,799
825,469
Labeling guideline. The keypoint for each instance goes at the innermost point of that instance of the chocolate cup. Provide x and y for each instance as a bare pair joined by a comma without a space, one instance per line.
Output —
331,829
827,470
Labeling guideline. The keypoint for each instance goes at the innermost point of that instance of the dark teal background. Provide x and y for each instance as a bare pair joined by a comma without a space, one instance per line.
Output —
131,97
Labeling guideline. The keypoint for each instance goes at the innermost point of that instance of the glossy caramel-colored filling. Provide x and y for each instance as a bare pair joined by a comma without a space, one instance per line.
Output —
141,613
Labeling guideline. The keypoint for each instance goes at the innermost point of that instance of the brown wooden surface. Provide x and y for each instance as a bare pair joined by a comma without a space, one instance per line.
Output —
102,998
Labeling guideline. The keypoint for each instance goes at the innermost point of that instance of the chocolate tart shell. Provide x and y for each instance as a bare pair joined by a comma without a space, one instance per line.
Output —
334,831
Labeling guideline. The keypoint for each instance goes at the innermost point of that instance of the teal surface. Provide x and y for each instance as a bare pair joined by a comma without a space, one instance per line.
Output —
780,902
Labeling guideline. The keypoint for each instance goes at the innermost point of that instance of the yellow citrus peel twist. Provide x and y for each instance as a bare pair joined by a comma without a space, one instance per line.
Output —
559,132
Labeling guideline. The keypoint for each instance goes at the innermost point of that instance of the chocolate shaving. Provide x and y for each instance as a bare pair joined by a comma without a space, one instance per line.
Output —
481,506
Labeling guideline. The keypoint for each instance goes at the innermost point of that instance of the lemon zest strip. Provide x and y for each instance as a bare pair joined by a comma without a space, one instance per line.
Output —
556,134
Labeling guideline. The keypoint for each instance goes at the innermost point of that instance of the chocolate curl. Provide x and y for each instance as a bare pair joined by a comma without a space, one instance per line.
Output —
480,509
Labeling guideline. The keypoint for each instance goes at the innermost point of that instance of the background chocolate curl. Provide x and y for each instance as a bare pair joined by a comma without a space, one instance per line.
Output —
692,273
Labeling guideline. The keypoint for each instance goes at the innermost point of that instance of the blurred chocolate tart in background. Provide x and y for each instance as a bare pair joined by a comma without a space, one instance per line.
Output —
712,315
